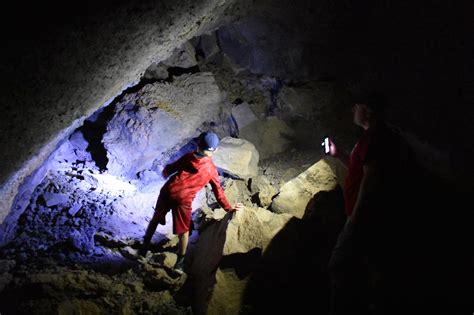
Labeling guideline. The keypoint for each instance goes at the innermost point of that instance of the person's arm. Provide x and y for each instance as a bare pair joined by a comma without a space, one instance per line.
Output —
369,182
173,167
219,192
220,195
342,156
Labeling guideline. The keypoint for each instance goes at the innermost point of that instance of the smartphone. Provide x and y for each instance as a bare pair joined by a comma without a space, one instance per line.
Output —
325,145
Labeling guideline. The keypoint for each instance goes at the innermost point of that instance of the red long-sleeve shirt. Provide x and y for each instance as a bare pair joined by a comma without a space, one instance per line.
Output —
193,172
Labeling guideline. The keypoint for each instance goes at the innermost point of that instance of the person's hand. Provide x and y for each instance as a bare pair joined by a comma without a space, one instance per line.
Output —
332,148
237,206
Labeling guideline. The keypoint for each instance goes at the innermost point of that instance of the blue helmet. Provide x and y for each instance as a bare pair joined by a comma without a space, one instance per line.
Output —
208,141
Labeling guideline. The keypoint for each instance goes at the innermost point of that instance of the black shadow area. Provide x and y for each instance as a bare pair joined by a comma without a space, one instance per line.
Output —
292,275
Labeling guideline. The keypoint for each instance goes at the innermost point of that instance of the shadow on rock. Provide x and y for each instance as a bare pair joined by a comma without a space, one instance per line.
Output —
292,274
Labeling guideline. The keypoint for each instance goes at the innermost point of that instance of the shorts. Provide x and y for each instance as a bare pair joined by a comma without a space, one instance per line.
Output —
181,214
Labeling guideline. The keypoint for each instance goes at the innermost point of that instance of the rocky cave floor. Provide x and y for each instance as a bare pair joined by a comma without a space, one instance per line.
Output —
64,258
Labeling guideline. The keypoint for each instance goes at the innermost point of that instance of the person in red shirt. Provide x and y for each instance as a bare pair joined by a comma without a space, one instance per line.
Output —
187,176
375,169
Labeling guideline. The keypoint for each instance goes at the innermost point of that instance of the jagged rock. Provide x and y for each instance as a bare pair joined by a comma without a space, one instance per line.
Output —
209,46
237,157
262,191
129,253
243,115
159,279
252,228
236,233
157,71
235,191
74,209
54,199
78,142
270,136
165,259
301,102
82,241
226,296
207,216
108,240
295,194
157,118
183,57
171,242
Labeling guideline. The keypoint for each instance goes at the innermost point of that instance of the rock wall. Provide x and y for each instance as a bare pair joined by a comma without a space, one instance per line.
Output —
61,65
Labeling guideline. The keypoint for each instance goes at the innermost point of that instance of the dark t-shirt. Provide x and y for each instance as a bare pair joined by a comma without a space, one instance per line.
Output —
355,170
384,148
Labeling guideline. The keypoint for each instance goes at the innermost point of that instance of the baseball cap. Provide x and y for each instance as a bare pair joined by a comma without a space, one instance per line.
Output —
208,141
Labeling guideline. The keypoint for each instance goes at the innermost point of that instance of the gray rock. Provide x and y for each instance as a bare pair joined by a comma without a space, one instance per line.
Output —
208,45
184,57
156,71
295,194
74,209
157,119
237,157
54,199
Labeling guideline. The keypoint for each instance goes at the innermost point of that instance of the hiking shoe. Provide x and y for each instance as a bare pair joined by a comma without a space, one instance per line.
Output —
179,266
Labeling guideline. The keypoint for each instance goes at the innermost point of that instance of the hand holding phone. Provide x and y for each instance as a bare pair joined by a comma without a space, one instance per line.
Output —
325,145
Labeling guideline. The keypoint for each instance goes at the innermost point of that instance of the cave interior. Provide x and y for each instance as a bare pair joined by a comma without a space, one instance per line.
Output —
97,97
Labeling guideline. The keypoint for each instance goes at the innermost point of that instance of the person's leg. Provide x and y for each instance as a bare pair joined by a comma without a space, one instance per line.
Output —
346,274
161,208
183,243
182,247
181,225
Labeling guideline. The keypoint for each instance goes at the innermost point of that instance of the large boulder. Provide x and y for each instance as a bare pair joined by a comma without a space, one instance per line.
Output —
270,135
182,57
232,234
252,228
295,194
157,118
237,157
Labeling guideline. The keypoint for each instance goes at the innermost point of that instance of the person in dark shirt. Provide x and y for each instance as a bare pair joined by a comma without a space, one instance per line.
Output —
187,176
376,168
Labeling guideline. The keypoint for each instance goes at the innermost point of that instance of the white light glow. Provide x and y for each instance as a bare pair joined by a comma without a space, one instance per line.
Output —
113,184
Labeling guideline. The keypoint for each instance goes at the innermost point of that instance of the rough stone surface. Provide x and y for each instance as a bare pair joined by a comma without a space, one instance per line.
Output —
237,157
270,136
252,228
157,119
81,67
295,194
